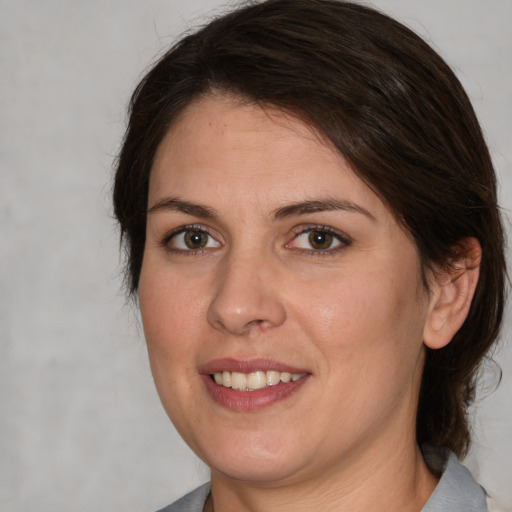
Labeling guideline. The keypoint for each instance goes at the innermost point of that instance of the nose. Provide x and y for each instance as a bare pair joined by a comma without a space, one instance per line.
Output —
246,297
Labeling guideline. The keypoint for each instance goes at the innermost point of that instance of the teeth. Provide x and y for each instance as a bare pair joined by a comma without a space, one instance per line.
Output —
286,377
226,379
254,380
238,380
273,378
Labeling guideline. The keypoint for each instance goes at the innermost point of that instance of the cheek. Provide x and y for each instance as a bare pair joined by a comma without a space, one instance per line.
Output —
370,335
370,318
171,311
168,304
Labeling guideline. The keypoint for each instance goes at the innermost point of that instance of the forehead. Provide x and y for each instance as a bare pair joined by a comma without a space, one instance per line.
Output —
221,144
221,128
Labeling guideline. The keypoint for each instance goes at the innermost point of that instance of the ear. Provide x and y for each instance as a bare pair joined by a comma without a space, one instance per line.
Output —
451,294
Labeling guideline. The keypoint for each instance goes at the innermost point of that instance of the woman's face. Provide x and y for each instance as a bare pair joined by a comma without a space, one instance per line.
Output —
266,255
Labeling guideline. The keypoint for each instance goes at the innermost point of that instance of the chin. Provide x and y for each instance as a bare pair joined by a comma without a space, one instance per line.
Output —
252,461
255,471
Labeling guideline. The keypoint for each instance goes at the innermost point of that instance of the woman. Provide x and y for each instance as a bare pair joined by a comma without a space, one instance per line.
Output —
309,210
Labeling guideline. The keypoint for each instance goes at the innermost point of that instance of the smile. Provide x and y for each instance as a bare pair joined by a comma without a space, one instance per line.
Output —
255,380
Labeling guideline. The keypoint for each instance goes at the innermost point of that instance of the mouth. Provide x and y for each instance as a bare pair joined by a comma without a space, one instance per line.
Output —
259,379
251,385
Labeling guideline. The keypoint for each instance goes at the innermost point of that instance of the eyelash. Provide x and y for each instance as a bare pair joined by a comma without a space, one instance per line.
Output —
167,239
343,240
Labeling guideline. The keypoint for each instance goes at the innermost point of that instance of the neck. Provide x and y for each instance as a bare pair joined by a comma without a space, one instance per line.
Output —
393,480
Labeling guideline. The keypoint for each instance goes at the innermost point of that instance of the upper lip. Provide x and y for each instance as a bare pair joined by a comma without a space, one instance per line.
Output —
248,366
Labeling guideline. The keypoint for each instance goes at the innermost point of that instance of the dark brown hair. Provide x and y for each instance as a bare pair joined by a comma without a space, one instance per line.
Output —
396,112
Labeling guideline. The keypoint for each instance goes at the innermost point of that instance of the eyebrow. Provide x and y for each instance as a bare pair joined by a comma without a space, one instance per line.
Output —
300,208
178,205
320,205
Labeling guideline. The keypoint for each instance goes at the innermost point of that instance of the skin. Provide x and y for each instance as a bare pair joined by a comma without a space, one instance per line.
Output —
355,316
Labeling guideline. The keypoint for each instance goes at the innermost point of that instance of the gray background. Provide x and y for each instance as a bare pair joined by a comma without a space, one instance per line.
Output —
81,428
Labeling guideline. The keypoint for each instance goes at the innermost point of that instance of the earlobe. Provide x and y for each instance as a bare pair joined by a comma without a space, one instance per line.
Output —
452,294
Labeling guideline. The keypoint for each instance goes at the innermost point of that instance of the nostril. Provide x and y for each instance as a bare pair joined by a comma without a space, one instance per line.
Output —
257,323
240,309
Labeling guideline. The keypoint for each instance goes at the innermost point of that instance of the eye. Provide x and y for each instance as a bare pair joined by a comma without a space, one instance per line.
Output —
190,239
318,239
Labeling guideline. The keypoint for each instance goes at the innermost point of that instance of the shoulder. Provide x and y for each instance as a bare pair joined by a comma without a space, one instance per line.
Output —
456,491
191,502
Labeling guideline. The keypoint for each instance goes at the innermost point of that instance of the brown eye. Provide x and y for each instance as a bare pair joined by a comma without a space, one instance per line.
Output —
191,239
320,240
195,239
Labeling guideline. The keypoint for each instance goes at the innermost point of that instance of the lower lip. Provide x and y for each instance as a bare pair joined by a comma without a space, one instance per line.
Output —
251,400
